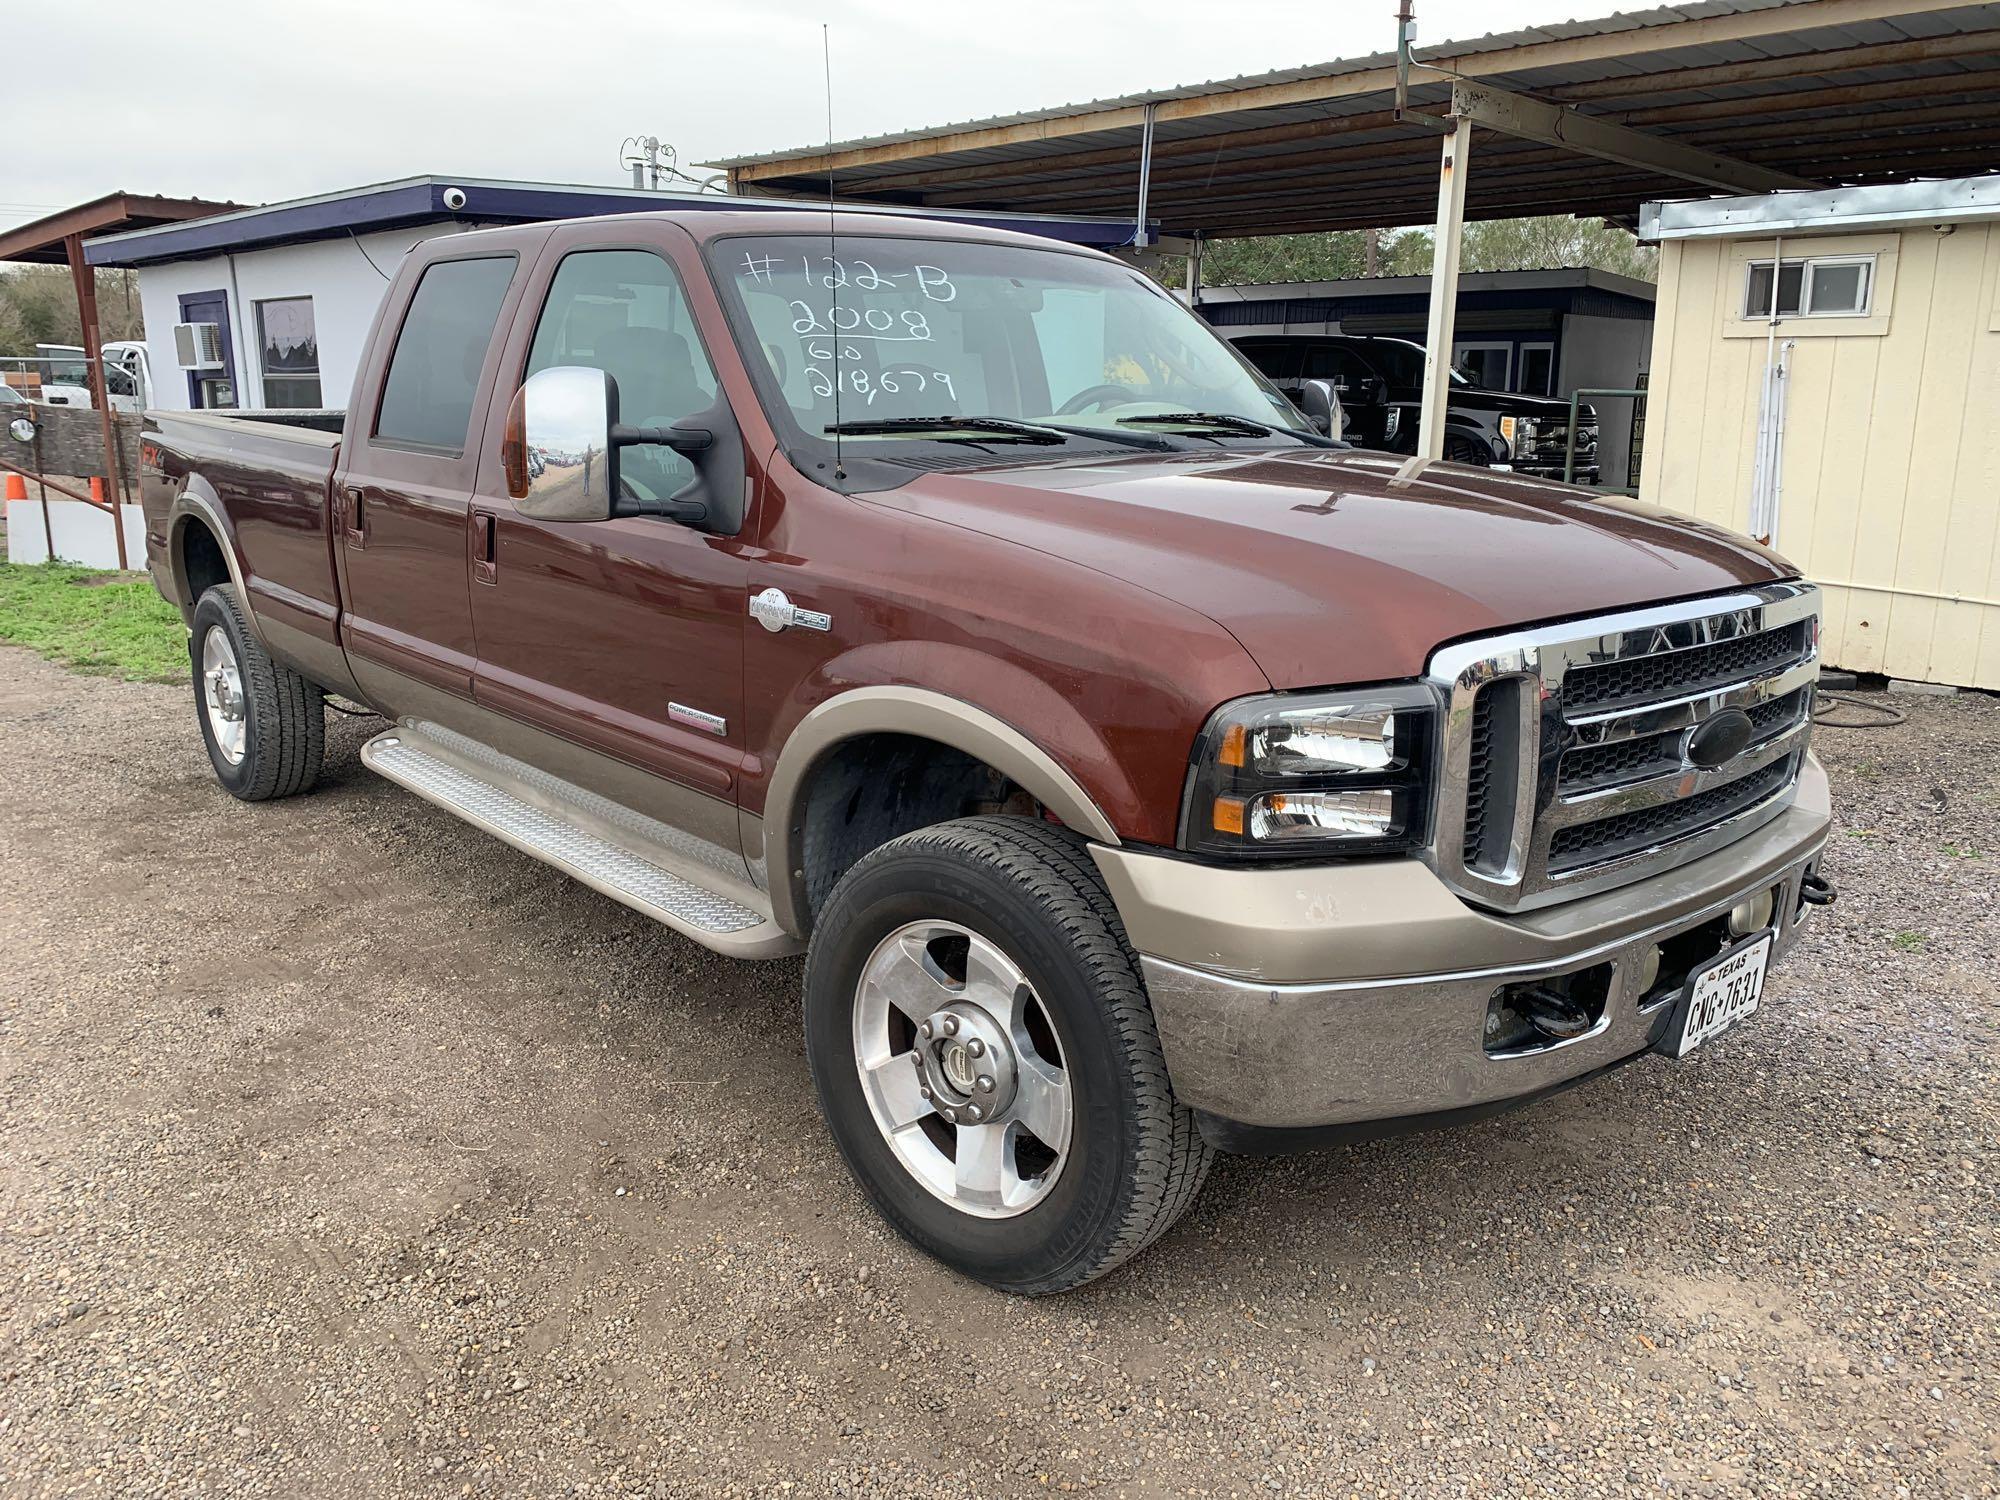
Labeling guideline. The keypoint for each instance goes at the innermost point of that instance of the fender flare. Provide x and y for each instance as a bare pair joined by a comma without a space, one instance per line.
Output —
197,501
921,714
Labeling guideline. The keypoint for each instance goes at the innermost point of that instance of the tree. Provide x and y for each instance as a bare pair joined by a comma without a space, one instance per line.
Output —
38,306
1491,245
1552,242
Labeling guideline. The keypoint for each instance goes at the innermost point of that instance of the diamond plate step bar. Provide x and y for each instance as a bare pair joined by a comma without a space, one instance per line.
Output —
668,875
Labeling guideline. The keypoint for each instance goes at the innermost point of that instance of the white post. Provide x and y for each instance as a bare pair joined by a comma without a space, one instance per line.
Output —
1139,239
1444,289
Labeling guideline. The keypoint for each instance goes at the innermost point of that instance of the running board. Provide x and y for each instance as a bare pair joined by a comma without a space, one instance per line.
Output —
630,857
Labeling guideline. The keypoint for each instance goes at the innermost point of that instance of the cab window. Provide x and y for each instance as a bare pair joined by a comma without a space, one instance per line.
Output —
626,313
433,377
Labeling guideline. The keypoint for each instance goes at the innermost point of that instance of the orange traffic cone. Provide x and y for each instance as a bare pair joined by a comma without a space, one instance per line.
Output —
97,492
17,487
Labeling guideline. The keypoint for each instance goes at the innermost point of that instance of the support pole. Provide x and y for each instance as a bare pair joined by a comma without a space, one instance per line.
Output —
93,351
1139,240
1194,273
1444,290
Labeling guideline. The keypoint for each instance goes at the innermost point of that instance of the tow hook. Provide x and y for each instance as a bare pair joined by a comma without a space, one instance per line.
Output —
1816,890
1553,1014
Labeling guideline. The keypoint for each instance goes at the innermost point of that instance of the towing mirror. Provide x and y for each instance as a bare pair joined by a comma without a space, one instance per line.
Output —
1321,404
557,452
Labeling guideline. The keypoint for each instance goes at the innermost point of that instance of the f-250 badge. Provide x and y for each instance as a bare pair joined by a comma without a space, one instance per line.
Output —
774,611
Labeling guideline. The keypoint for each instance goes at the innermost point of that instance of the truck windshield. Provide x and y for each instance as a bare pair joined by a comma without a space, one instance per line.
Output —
888,330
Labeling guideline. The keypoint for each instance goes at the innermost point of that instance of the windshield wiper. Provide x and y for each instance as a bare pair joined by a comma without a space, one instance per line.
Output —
968,429
1026,432
1226,422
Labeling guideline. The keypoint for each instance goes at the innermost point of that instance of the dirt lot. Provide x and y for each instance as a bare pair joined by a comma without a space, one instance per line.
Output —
344,1151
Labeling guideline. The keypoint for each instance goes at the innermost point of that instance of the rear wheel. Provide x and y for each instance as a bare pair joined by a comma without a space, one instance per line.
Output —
985,1054
264,724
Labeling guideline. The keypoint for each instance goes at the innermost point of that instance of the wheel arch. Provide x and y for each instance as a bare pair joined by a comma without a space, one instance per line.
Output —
199,538
913,714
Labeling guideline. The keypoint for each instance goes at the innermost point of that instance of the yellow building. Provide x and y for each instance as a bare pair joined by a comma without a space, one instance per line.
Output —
1847,409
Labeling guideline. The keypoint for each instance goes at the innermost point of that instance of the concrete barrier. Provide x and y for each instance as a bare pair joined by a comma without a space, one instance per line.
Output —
82,533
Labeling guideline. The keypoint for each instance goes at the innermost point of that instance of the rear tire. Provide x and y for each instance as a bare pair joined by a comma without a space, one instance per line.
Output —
264,724
1001,924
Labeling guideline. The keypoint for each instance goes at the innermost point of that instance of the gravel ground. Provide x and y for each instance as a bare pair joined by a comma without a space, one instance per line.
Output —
344,1151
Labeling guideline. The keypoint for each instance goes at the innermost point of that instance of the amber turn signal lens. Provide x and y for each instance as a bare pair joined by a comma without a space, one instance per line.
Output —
1229,815
1233,739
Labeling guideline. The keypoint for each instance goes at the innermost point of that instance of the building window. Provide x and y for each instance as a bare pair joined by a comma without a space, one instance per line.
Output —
290,352
1833,286
1538,370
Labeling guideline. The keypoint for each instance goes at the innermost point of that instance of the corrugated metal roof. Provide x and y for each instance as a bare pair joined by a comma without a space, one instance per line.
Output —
1495,41
1827,90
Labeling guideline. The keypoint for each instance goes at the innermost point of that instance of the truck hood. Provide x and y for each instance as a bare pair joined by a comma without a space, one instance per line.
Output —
1334,566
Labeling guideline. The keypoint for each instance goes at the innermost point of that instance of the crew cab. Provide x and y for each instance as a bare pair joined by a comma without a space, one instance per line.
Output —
1378,384
1141,773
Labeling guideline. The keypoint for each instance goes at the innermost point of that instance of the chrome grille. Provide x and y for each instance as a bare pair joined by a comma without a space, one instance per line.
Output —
1633,679
1587,843
1565,748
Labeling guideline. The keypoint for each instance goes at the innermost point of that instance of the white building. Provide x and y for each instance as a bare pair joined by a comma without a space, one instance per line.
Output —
280,297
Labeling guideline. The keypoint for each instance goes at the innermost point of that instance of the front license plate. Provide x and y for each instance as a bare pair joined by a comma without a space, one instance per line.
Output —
1724,993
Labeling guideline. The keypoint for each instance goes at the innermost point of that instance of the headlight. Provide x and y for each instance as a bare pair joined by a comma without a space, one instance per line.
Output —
1520,431
1296,775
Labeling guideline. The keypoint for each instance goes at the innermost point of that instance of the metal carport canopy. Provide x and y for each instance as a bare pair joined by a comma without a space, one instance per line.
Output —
1808,91
1588,117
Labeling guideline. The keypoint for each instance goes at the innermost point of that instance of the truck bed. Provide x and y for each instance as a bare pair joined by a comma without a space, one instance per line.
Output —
269,473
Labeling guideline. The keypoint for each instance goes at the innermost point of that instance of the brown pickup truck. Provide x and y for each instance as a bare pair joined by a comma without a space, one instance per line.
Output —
1142,773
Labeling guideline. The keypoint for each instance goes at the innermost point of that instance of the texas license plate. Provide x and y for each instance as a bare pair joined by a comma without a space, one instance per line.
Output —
1724,993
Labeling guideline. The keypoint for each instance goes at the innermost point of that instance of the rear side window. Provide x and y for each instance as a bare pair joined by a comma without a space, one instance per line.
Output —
434,372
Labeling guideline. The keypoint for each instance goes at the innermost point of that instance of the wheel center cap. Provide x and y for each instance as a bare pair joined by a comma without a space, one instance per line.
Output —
958,1069
967,1060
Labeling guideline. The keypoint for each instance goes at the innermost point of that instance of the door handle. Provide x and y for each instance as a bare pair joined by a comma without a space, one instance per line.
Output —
485,559
357,520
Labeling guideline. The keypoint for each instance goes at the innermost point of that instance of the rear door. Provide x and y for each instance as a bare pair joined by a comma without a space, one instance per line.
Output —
404,489
622,636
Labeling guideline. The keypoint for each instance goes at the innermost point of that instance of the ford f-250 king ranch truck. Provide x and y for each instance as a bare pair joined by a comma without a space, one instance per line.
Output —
1142,773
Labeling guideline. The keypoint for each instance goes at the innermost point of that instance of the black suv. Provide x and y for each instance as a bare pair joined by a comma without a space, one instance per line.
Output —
1380,383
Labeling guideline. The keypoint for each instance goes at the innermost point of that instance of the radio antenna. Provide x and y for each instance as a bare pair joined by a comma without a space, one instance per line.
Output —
832,247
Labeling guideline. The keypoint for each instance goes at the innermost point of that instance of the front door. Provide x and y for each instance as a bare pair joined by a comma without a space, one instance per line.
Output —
622,636
404,488
211,389
1363,393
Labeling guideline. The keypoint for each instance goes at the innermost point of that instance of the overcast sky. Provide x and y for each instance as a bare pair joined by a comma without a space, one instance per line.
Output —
276,99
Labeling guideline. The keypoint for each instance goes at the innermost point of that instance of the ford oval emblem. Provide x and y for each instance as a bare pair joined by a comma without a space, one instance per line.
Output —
1720,738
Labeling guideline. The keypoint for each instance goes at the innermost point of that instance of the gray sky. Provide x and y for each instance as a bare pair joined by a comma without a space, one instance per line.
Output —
275,99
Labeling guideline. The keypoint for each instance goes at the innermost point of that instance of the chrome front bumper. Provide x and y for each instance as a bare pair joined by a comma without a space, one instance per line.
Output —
1301,999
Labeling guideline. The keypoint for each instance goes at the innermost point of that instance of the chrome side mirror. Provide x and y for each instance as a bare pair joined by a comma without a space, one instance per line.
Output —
22,430
558,455
1321,404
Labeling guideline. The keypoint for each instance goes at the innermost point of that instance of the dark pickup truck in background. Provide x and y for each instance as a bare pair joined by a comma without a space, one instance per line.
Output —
1142,773
1380,384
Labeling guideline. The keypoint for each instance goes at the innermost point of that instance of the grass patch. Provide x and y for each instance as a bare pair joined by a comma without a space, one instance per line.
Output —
1908,942
110,624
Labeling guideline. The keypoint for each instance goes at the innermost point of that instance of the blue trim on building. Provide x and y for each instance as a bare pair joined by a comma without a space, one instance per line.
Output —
421,201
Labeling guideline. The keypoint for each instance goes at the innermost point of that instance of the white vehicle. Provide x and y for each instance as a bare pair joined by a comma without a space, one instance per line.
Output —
128,378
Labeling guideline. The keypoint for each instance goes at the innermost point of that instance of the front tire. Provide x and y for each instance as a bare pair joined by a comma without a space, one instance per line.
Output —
264,724
985,1054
